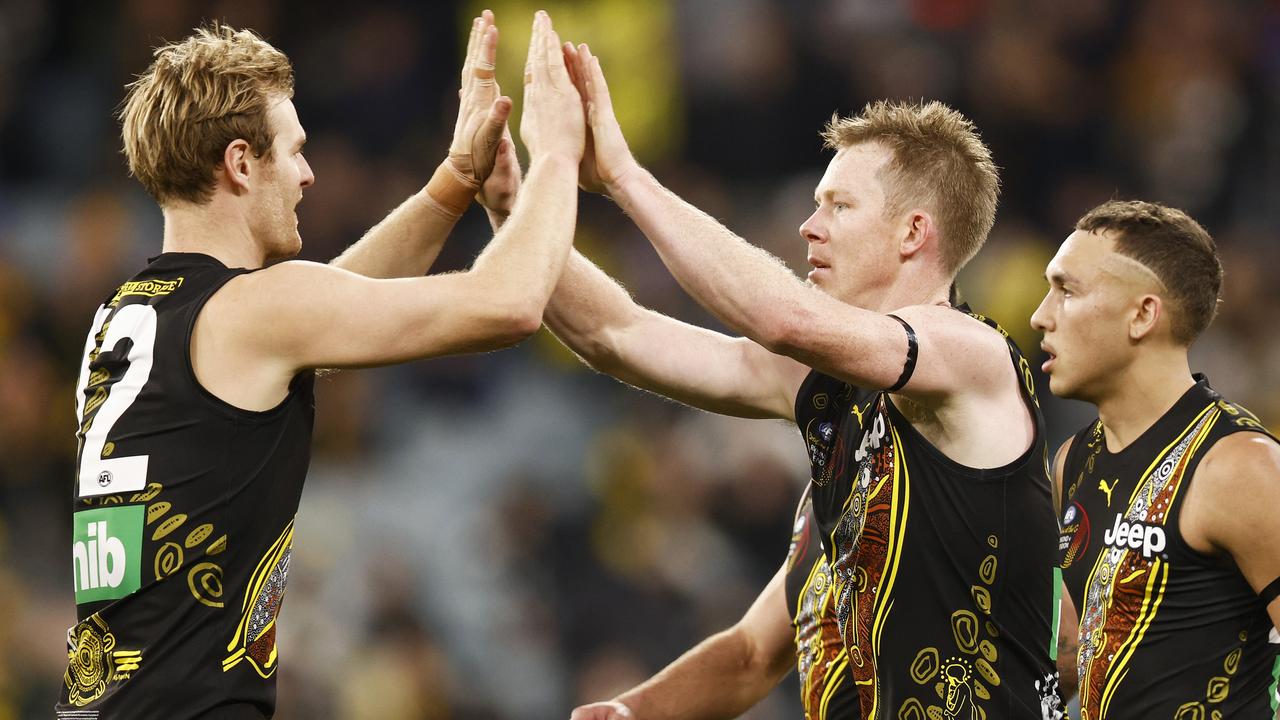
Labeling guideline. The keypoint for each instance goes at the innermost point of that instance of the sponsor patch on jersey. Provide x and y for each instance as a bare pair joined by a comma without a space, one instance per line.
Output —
145,288
1074,538
106,552
1126,535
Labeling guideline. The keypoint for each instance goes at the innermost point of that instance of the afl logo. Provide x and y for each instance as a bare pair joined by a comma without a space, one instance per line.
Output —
818,441
1074,539
105,478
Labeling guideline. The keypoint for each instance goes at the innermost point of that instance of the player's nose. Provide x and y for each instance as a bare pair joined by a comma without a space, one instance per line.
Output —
810,229
308,177
1041,320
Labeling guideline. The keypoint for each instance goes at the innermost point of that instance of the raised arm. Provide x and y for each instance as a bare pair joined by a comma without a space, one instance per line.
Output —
262,328
752,292
722,677
407,241
596,318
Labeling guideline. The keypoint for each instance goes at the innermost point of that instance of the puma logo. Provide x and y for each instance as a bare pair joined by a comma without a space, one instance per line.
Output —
1102,485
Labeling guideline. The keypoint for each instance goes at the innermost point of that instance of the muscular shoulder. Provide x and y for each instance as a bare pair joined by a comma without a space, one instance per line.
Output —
969,356
253,303
282,279
1234,493
243,338
983,345
1239,465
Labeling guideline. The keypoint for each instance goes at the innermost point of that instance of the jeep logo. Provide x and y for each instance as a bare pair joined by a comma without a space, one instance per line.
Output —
1134,535
872,439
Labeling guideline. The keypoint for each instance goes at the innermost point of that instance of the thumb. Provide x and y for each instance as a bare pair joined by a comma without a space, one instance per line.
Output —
505,159
497,120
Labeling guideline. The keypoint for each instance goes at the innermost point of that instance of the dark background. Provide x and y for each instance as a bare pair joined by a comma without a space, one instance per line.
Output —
509,535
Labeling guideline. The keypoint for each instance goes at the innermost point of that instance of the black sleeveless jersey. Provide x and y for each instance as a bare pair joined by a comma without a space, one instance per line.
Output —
943,575
826,685
1165,631
182,515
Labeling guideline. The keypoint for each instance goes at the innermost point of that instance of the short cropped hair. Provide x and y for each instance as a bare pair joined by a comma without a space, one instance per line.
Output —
198,96
939,160
1175,247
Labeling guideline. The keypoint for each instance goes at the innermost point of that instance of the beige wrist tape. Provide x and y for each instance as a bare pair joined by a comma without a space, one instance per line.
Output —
450,189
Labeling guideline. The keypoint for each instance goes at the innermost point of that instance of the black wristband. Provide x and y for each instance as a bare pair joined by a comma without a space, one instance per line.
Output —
1270,592
913,351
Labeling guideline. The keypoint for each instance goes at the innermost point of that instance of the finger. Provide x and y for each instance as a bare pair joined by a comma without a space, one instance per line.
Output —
496,123
487,57
580,70
588,73
597,87
554,55
469,59
507,157
567,51
540,60
533,49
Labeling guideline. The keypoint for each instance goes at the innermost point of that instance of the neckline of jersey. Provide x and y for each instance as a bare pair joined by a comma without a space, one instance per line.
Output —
202,258
1188,402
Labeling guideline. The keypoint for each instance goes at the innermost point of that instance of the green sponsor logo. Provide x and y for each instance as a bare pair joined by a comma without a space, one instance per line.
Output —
106,552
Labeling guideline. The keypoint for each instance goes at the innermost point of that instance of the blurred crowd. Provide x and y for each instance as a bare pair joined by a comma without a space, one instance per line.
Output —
510,535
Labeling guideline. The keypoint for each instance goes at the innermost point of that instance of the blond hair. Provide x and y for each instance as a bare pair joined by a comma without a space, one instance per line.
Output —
937,160
199,95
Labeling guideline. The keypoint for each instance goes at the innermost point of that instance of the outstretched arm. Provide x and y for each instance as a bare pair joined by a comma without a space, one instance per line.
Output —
752,292
722,677
260,329
596,318
408,240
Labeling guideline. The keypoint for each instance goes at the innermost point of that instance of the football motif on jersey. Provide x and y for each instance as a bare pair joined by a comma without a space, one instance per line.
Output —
255,639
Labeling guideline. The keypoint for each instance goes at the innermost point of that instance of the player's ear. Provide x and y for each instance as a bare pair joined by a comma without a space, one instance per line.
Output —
236,166
1146,316
919,231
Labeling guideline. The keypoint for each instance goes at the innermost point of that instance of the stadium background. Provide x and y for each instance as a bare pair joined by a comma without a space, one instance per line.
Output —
510,535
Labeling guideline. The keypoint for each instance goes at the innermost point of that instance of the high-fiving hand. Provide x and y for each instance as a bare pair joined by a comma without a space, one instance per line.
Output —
607,160
552,124
483,110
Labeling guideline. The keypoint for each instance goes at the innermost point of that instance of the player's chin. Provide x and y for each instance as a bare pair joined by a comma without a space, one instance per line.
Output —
819,281
1061,385
289,246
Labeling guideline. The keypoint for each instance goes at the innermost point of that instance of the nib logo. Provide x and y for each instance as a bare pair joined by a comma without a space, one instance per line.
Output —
106,554
1134,535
